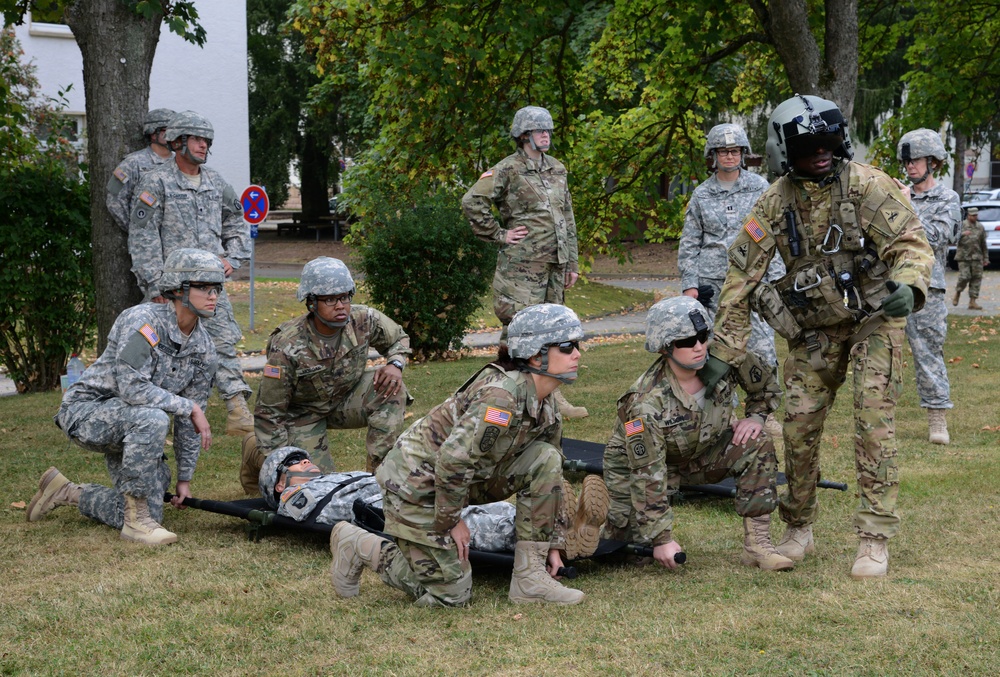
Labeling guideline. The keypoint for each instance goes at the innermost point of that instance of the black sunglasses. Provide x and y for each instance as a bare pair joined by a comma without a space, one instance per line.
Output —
700,337
293,459
566,347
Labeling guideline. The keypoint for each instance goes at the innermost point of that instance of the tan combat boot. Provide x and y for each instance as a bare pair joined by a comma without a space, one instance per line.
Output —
250,465
142,528
757,548
240,420
54,490
938,426
872,560
352,548
586,517
569,410
973,305
530,581
796,543
958,295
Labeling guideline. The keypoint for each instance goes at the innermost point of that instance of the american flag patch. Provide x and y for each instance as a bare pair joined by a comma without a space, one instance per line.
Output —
754,230
147,197
149,334
271,371
488,172
120,174
497,416
634,427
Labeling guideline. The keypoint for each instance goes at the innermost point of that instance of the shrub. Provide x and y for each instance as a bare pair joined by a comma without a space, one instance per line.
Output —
426,270
46,291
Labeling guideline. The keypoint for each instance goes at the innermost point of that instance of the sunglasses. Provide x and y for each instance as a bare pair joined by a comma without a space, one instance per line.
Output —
700,337
293,459
566,347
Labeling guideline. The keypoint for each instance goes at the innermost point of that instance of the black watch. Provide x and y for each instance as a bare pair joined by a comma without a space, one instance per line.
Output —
396,363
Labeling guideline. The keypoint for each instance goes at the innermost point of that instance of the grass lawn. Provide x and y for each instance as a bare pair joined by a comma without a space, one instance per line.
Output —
80,600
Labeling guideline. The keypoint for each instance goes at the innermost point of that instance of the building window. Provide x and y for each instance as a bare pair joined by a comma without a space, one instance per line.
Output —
49,24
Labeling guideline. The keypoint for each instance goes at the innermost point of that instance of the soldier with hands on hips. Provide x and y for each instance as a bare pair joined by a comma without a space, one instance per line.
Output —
158,366
499,435
538,258
940,212
673,430
315,377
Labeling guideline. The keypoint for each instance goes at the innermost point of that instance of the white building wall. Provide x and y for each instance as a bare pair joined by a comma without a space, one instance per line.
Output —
211,80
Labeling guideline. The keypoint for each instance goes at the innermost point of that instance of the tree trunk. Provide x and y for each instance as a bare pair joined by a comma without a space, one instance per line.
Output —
958,176
118,48
314,169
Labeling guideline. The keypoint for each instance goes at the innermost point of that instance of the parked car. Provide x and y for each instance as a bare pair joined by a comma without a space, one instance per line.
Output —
981,195
340,210
989,218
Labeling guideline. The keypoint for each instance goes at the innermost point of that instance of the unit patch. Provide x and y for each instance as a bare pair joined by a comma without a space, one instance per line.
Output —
490,437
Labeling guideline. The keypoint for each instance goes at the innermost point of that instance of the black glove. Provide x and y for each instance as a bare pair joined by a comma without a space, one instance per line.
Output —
899,302
705,294
713,372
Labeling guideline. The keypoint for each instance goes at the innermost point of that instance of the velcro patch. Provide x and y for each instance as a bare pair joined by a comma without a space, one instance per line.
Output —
634,427
120,174
149,334
148,198
890,215
496,416
754,230
738,254
271,371
490,437
488,172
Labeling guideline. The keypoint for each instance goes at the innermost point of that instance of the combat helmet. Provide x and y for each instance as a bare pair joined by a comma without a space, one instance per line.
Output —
189,123
325,276
679,317
273,466
157,118
727,135
792,124
530,119
184,266
535,327
921,143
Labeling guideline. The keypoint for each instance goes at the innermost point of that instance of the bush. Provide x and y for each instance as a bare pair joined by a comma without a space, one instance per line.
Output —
46,291
427,271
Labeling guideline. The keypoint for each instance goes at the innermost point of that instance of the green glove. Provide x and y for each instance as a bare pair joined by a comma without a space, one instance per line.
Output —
713,372
899,302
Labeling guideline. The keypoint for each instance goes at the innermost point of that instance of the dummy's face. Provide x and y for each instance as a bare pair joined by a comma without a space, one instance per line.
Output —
302,467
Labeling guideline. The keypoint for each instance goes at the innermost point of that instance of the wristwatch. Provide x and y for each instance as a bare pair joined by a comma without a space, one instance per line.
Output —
396,363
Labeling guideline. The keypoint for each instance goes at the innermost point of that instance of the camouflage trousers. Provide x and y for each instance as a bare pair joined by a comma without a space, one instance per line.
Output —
362,407
926,331
132,440
753,464
761,342
970,273
534,476
877,380
519,284
226,333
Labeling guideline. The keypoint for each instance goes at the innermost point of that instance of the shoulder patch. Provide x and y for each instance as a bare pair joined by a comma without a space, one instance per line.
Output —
149,334
272,371
120,174
490,436
739,253
488,172
148,198
634,427
754,230
497,416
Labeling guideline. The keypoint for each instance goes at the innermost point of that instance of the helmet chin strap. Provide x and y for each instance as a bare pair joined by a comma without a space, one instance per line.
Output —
693,366
567,377
311,307
186,302
186,152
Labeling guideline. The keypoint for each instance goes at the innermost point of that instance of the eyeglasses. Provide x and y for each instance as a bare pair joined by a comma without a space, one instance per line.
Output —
700,337
733,152
210,288
566,347
331,301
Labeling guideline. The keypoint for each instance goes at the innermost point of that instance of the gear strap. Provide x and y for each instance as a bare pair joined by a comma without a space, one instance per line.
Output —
815,349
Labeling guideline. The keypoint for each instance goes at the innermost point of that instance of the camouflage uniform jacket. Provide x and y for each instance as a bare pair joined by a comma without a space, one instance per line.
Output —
890,228
124,180
494,417
667,428
308,375
526,193
148,362
169,212
972,243
940,213
713,218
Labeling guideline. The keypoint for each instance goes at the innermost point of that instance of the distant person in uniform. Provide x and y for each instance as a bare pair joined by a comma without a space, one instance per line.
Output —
972,255
131,169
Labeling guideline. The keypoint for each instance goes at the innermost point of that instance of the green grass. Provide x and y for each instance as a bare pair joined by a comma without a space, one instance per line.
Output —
80,600
274,303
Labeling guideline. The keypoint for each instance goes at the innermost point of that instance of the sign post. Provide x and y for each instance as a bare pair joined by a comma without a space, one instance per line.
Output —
255,208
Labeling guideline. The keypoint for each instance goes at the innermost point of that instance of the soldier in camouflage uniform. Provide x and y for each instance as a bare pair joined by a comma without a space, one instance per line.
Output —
538,258
158,366
940,212
186,204
671,430
315,375
128,172
714,216
971,254
294,487
497,436
858,263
